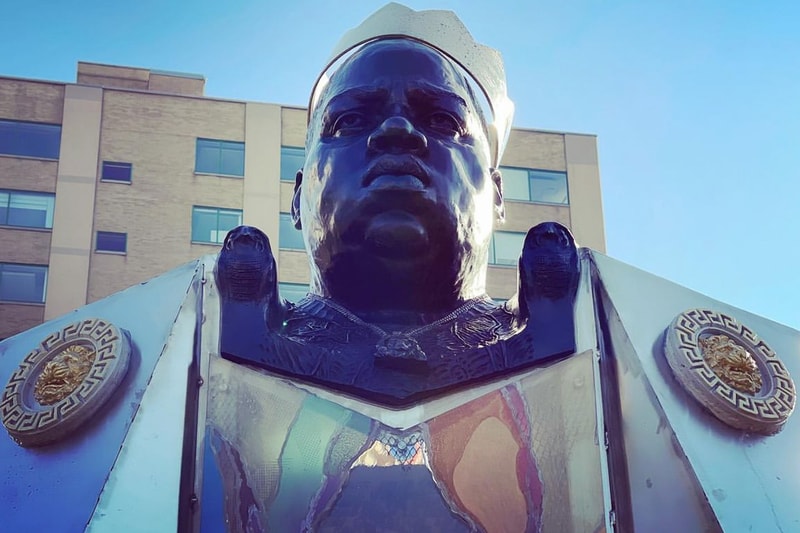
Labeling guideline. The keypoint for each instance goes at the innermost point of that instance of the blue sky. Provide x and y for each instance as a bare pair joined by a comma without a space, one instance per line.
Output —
696,104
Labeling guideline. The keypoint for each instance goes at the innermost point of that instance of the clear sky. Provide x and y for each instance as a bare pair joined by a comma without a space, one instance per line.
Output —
696,104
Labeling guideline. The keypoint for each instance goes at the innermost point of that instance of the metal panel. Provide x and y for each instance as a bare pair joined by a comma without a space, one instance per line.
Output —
654,481
56,487
586,340
143,488
751,482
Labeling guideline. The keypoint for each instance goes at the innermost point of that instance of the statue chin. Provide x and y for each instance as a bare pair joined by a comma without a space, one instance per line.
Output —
397,235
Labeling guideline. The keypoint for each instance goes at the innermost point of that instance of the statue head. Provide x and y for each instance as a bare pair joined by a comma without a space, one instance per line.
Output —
399,191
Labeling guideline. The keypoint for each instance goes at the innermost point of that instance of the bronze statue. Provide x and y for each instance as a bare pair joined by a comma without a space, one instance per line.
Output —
397,201
397,197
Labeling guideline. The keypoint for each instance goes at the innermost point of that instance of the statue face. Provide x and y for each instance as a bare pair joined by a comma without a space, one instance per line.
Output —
398,169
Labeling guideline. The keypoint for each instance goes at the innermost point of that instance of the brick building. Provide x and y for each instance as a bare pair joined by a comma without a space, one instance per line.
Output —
129,172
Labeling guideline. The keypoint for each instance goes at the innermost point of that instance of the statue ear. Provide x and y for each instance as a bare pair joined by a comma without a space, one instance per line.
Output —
499,204
298,181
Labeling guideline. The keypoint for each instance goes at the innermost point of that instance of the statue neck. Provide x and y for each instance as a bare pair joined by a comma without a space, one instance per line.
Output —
403,291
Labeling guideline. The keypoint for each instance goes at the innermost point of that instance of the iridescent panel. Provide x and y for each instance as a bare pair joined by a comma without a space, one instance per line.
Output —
287,457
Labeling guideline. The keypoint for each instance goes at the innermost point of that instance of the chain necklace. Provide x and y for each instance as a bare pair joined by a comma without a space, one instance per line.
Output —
399,344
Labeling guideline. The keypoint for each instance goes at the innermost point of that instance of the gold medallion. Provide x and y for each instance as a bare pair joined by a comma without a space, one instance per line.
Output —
62,384
726,367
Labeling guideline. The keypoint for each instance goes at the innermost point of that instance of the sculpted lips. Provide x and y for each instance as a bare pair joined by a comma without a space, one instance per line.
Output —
397,172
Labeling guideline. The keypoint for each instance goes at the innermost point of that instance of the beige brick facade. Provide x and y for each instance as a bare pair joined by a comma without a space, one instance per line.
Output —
157,134
28,174
152,120
19,317
31,101
25,246
141,79
535,149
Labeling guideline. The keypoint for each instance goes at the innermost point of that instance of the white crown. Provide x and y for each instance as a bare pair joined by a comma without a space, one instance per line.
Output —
443,31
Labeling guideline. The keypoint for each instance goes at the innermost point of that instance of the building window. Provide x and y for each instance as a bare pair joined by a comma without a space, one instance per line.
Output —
292,160
505,248
111,241
529,185
211,224
23,283
26,209
116,171
30,139
219,157
289,238
294,292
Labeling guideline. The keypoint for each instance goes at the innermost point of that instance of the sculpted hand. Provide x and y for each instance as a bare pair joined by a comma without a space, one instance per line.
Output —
247,277
548,282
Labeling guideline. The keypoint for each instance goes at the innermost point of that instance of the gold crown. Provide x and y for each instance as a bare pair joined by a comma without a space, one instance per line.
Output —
443,31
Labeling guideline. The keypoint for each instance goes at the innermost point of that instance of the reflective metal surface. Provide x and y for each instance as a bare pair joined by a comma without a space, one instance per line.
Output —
680,455
56,487
521,457
586,340
143,488
286,455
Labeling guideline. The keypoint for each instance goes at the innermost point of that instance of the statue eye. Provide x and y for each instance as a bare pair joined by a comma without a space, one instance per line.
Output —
348,121
445,122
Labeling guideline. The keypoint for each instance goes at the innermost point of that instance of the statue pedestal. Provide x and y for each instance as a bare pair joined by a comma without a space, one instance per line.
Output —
192,441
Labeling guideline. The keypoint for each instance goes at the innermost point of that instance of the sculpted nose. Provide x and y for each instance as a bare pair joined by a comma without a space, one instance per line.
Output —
397,135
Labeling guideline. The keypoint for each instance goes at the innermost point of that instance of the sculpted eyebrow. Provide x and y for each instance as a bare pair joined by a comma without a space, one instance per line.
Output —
361,95
424,92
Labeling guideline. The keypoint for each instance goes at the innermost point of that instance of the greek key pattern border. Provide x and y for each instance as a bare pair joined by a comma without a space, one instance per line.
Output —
31,424
763,412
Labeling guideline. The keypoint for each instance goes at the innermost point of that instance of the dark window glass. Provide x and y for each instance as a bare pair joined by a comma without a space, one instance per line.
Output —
294,292
505,247
22,283
290,238
211,224
529,185
26,209
110,241
219,157
292,160
115,171
30,139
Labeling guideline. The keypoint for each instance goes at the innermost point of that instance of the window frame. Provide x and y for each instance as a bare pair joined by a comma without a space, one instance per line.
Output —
286,219
289,149
40,268
112,235
219,210
116,164
492,256
5,220
531,175
222,143
19,136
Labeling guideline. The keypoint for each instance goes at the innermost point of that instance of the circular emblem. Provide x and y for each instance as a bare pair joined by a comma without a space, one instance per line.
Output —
730,371
62,383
